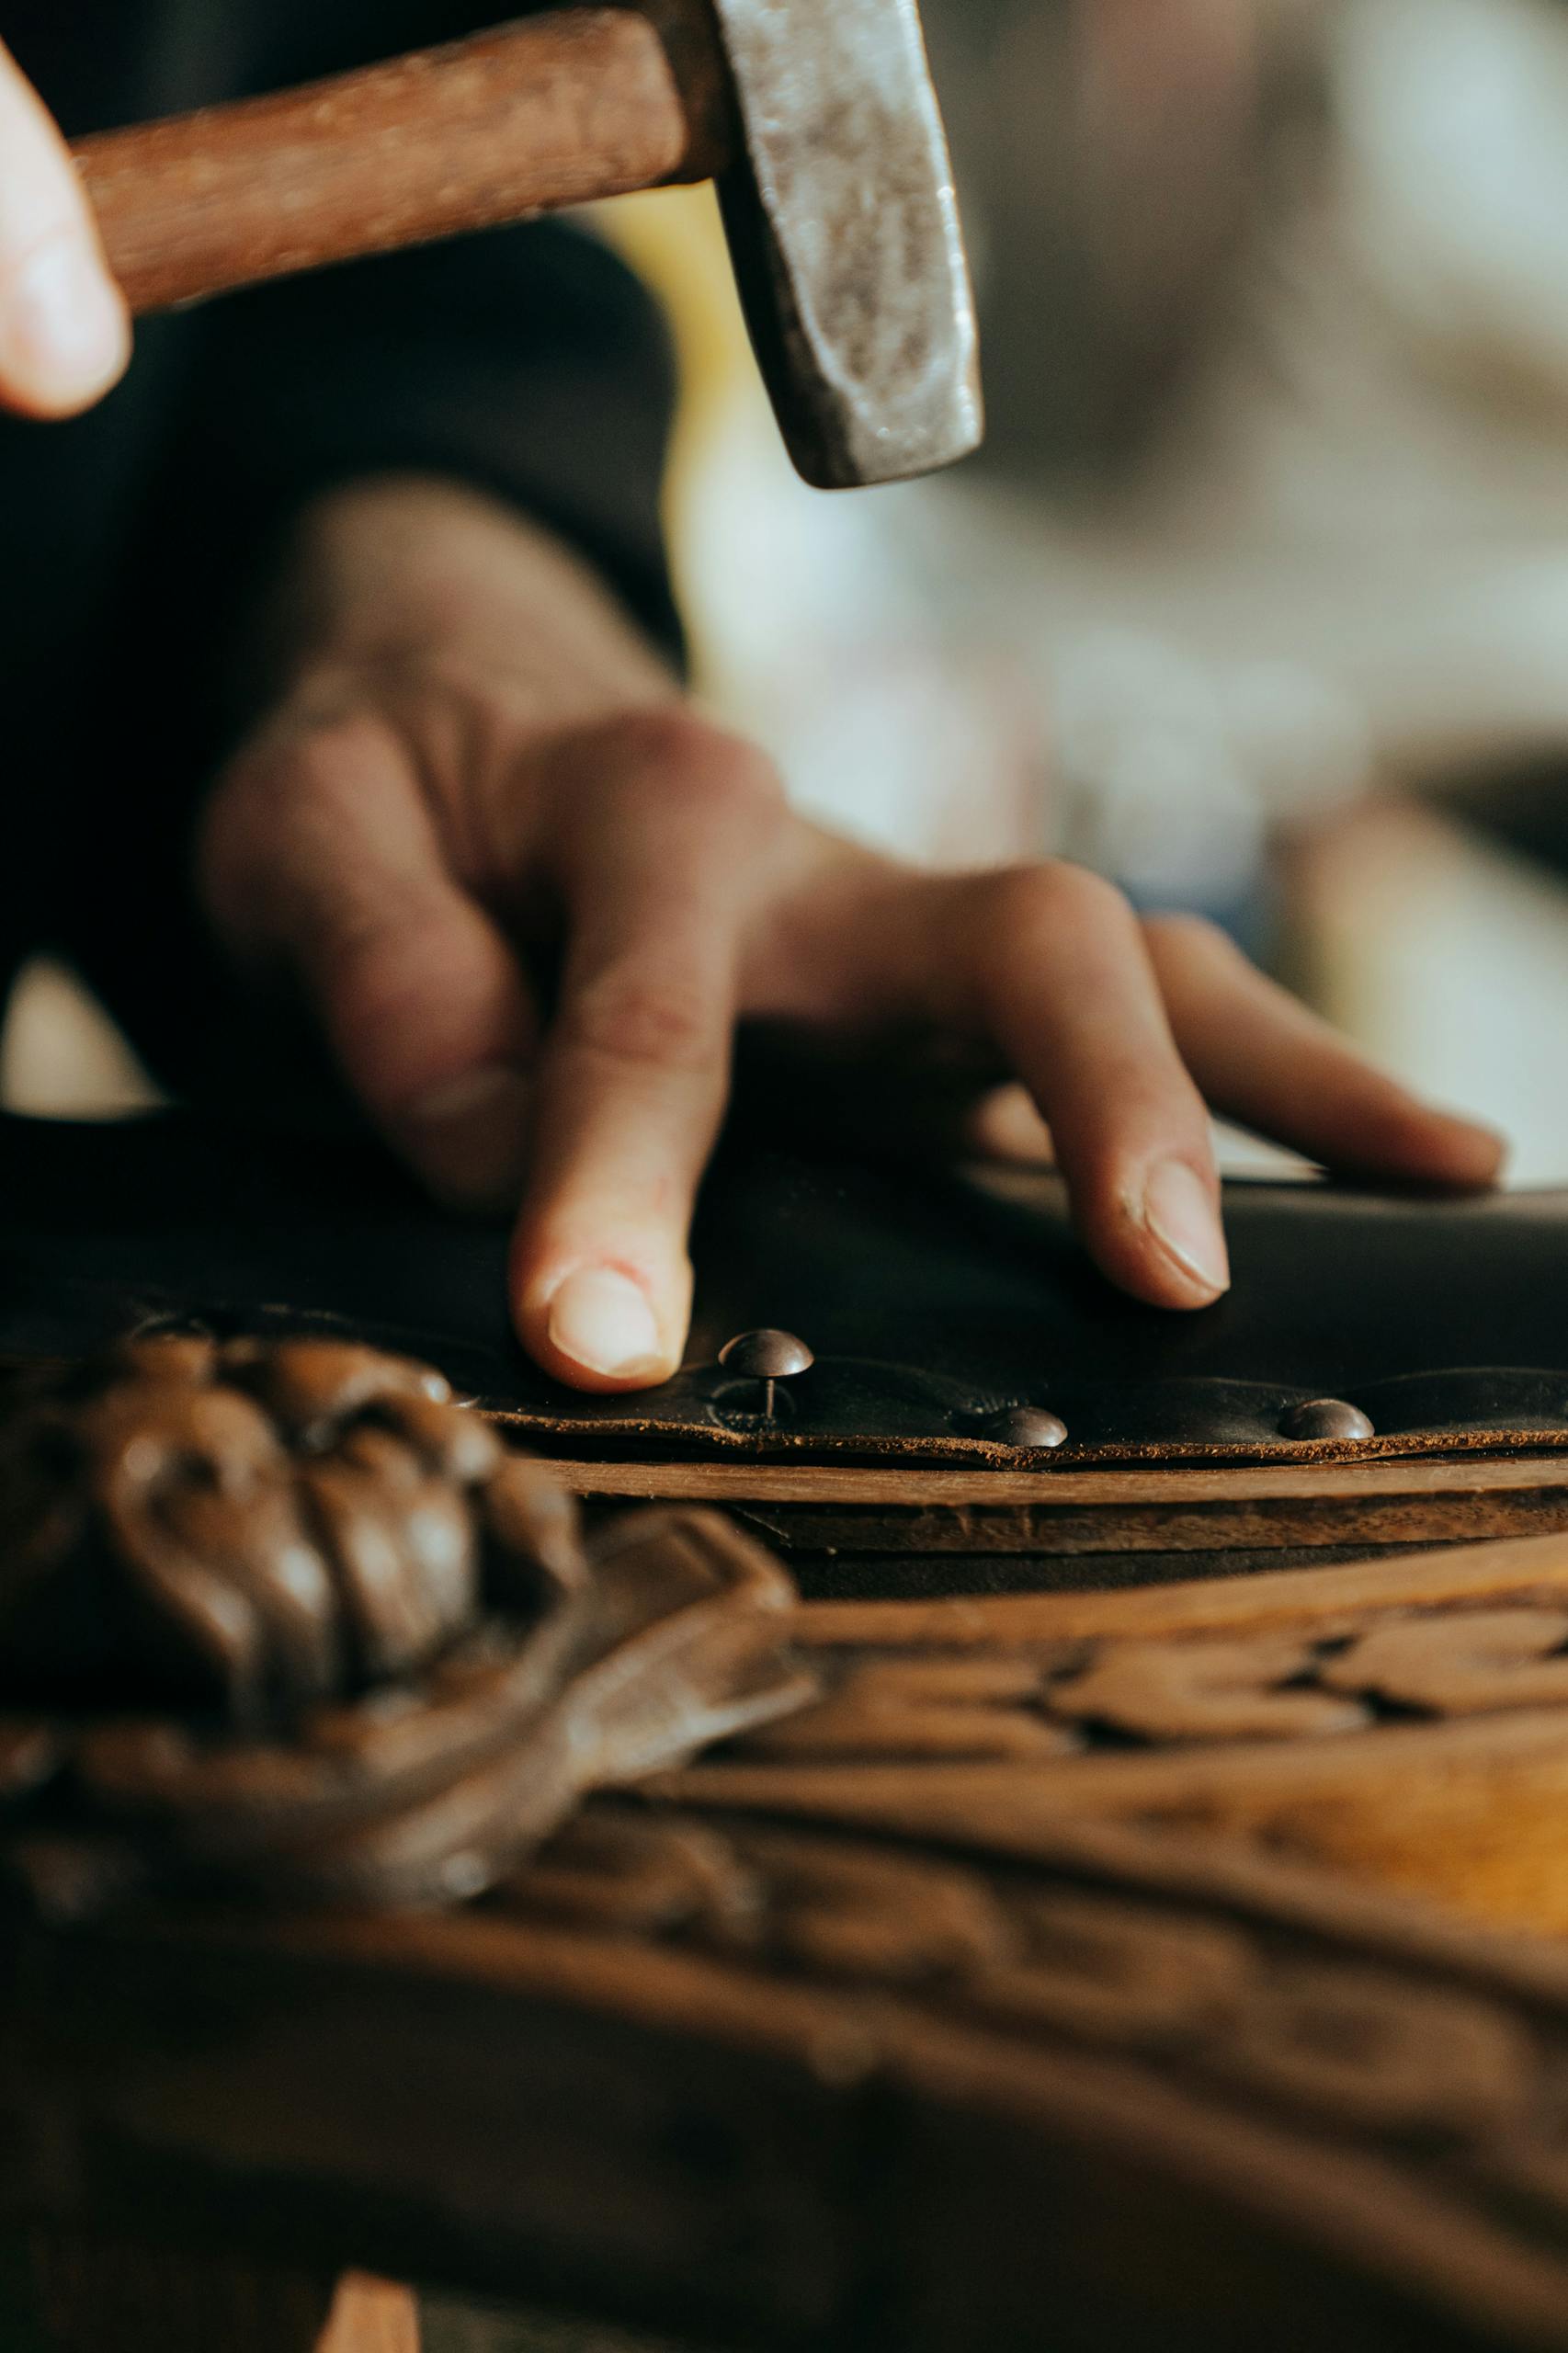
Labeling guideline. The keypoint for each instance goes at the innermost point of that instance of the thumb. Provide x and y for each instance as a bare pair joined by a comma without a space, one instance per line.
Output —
65,335
320,855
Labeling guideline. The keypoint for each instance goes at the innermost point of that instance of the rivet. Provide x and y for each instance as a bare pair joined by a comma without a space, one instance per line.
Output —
769,1357
1025,1427
1325,1417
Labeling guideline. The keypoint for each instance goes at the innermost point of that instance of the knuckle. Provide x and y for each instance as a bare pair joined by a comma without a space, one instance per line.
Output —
298,769
658,737
328,759
686,760
1192,939
1022,900
669,1022
1078,891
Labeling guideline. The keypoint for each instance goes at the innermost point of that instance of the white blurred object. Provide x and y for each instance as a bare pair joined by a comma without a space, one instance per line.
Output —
881,731
62,1057
1453,115
1448,955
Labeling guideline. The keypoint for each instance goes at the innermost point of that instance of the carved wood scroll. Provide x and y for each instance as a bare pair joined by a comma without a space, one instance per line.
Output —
1406,1720
286,1618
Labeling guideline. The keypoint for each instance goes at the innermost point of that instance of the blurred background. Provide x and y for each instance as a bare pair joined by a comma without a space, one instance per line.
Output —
1257,599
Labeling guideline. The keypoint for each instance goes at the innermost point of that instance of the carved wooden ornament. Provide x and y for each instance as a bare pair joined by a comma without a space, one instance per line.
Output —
283,1615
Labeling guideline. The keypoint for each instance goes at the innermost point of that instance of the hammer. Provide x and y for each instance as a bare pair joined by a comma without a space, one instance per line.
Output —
816,117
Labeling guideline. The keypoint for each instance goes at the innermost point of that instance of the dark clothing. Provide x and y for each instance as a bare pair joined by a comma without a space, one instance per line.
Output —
527,361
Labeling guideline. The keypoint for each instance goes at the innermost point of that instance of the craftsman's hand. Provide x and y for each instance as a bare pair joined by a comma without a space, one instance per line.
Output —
475,776
64,336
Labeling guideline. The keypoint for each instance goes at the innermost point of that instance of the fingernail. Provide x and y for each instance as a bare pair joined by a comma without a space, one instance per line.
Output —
468,1137
603,1322
63,329
1178,1209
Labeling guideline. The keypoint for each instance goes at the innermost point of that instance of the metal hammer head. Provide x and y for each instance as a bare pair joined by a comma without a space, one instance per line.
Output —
845,231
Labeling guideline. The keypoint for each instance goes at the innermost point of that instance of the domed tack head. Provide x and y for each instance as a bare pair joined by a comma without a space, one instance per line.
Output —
1026,1425
1325,1417
769,1357
766,1356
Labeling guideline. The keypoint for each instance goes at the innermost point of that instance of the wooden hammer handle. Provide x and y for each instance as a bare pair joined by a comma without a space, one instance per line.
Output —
556,109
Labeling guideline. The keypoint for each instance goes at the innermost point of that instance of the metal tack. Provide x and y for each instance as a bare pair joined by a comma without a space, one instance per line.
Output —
769,1357
1026,1425
1325,1417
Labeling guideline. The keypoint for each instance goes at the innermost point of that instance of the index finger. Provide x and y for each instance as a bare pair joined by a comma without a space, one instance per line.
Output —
64,334
633,1079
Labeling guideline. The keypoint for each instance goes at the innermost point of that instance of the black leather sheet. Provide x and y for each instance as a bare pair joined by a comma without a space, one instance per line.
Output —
930,1301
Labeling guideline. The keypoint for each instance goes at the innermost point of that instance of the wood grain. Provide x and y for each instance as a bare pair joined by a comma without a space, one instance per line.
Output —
558,109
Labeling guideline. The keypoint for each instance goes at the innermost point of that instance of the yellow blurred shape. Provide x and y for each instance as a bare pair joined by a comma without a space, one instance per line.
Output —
675,240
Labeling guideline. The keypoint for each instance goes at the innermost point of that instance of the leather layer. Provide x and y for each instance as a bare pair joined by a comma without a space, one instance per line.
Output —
931,1302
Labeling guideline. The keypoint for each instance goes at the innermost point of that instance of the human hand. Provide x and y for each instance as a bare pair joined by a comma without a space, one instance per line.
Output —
64,333
529,893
